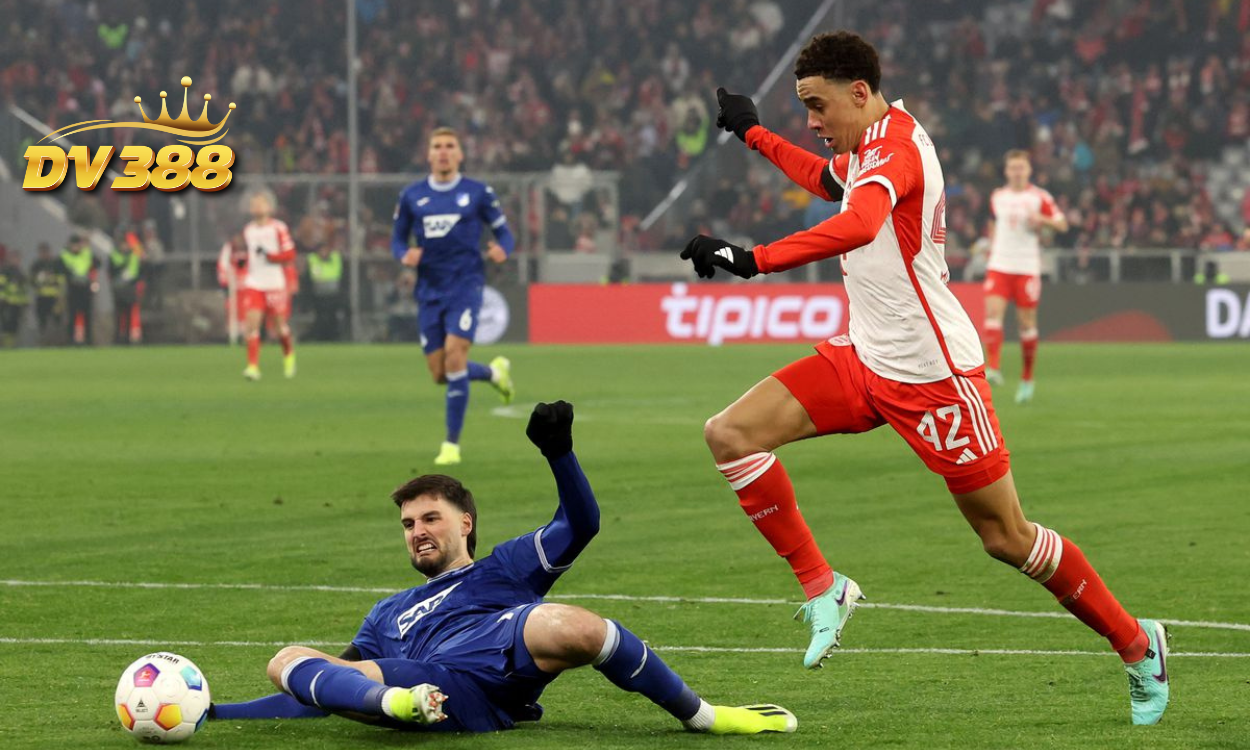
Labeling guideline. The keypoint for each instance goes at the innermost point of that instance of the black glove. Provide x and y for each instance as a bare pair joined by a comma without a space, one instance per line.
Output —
709,253
737,113
551,429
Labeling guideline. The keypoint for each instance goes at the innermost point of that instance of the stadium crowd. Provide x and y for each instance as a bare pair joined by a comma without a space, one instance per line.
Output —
1118,101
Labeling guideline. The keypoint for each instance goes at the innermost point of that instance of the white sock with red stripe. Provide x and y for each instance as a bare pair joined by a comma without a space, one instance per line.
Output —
1061,567
767,496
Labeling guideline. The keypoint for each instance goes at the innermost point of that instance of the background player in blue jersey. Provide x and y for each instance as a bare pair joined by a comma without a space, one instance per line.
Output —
473,648
446,212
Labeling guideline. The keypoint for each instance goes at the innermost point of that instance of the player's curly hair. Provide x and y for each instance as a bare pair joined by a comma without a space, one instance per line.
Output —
447,488
840,55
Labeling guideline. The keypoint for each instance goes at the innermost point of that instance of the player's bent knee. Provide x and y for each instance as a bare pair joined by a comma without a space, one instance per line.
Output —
280,661
1006,547
561,636
726,439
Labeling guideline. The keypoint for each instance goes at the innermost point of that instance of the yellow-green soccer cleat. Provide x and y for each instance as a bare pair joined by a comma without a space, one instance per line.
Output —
288,365
1148,678
251,372
752,719
501,378
422,704
1024,393
827,614
447,455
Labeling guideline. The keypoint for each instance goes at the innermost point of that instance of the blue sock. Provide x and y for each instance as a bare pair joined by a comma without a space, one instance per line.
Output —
457,403
627,662
317,682
280,706
479,371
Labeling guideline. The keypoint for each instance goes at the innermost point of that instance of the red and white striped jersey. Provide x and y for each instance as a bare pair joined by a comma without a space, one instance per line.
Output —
905,322
1015,247
269,248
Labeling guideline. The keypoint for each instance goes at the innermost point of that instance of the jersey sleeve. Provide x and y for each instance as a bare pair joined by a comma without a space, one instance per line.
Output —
893,164
492,215
805,169
286,245
366,640
994,204
404,225
1049,208
868,208
525,560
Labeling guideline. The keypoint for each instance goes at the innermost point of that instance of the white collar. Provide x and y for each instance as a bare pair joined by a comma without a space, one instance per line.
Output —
443,187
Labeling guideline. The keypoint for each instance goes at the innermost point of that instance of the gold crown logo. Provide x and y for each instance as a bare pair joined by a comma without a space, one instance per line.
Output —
182,126
184,121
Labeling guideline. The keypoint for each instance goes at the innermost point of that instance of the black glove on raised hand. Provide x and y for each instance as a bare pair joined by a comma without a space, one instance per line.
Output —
551,429
737,113
709,253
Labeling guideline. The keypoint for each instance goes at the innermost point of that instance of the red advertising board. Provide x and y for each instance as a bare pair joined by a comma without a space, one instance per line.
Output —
710,313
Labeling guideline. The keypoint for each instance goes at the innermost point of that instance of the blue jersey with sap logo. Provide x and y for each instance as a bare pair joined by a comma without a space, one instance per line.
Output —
438,622
435,621
447,220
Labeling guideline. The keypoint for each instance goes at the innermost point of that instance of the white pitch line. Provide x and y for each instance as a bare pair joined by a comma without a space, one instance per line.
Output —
932,609
5,641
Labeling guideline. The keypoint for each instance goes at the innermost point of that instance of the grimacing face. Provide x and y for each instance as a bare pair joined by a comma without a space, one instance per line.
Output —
445,155
836,110
435,532
1017,171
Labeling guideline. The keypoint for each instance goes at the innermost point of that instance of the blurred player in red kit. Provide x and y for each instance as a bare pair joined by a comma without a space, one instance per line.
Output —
259,267
1014,273
912,358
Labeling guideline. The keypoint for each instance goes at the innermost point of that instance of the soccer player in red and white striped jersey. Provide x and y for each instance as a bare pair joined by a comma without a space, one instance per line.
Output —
263,290
912,359
1014,273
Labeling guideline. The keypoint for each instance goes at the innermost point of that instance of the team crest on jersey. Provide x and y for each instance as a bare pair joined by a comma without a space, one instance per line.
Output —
439,225
462,200
871,159
413,614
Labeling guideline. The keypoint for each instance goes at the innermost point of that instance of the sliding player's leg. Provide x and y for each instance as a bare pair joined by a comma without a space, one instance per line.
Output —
358,690
813,396
559,637
1060,566
992,329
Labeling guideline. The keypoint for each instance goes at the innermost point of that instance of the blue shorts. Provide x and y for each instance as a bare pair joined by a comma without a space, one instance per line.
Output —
455,314
487,673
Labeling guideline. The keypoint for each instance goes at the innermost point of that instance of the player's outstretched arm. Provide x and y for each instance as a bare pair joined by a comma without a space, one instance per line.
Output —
577,519
807,170
855,227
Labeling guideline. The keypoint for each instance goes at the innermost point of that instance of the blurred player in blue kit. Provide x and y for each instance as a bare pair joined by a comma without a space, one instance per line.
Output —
446,213
473,648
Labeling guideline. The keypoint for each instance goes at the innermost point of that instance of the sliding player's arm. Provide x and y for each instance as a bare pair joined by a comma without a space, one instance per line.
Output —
576,520
814,174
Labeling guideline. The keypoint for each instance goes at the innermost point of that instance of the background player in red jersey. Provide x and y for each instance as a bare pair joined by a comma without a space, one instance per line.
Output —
262,281
912,358
1014,273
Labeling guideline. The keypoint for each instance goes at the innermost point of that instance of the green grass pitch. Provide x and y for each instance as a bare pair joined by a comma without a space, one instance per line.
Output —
162,465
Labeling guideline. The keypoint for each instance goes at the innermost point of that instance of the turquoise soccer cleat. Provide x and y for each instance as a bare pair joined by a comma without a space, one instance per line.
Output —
827,614
994,377
1148,678
1024,393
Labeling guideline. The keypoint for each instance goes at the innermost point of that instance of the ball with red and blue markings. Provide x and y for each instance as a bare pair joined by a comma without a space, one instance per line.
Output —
162,698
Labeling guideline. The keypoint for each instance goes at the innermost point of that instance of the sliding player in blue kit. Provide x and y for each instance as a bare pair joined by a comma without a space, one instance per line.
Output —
446,211
473,648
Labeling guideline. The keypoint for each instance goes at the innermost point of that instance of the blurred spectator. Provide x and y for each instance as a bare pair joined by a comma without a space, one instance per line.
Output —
326,274
14,297
126,272
82,270
47,275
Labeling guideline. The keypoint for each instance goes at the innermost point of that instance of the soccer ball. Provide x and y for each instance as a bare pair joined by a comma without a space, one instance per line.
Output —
162,697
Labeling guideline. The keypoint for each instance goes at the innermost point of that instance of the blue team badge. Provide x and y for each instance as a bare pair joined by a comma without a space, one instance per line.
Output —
462,200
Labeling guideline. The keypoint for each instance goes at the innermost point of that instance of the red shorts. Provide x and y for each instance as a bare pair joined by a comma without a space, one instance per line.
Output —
276,304
1021,288
950,424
